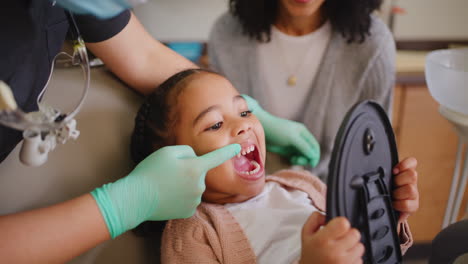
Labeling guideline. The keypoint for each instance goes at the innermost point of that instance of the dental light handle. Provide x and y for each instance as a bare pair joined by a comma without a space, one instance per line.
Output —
41,131
37,145
35,150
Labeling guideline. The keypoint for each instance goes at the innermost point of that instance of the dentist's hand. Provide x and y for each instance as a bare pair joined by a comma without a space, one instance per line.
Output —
287,138
168,184
99,8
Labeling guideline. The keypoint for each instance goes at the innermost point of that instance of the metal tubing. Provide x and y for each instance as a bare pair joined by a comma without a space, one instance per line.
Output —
460,192
453,187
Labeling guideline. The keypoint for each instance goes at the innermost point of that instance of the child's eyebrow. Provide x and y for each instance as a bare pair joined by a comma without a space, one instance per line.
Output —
214,107
237,97
204,112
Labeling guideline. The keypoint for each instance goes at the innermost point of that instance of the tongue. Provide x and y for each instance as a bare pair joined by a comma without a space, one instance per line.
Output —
241,163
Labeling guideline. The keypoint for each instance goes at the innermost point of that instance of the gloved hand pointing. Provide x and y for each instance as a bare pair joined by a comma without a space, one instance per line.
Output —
287,138
167,184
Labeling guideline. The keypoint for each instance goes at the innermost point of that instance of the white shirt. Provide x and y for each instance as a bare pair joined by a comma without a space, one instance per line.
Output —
287,55
272,221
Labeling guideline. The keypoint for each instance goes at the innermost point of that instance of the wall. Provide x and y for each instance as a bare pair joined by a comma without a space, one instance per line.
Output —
180,20
432,20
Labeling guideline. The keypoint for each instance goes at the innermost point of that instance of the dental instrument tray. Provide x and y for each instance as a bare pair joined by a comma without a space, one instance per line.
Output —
360,180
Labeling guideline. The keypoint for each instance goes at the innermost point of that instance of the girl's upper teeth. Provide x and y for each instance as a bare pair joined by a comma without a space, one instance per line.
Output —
247,150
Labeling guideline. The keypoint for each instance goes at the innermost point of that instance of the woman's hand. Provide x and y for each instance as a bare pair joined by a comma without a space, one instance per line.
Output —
335,243
405,194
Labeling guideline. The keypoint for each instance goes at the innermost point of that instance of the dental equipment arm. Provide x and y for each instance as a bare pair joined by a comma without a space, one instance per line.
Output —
287,138
45,128
168,184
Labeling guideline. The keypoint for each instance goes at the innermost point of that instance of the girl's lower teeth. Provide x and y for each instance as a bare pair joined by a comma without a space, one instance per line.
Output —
255,170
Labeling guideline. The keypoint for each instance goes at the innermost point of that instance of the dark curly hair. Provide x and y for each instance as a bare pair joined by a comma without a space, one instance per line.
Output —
153,127
352,18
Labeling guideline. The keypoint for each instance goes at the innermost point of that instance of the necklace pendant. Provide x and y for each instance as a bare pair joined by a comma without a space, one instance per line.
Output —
292,80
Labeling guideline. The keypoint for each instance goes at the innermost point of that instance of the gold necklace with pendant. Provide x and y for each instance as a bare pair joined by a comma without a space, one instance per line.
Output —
292,78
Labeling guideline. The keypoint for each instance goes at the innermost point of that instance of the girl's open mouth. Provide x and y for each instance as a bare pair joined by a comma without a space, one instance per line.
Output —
247,163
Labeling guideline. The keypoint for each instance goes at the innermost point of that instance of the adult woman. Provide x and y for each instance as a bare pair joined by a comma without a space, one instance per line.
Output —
306,60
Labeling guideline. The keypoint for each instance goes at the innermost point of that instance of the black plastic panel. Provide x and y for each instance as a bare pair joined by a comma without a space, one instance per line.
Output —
360,182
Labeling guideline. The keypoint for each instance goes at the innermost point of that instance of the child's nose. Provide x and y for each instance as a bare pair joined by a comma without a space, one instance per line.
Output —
242,127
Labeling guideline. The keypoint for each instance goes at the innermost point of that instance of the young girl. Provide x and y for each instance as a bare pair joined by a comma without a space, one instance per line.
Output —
245,216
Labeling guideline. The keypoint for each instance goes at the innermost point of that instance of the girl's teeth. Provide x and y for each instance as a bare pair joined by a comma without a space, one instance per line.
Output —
248,150
255,170
257,167
253,162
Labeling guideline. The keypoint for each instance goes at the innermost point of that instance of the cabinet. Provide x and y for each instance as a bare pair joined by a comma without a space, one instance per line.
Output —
423,133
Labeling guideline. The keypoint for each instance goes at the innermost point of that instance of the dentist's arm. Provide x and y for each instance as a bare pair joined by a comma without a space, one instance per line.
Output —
138,59
53,234
168,184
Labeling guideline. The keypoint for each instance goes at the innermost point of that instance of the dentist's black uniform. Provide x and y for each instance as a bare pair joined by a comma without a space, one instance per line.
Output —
32,32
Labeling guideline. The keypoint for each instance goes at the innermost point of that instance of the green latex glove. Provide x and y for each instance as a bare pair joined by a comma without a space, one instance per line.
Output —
287,138
168,184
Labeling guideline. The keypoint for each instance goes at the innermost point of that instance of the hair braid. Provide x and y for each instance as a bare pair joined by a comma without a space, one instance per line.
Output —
138,148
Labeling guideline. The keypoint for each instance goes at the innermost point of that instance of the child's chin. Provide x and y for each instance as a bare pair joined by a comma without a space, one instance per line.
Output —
255,189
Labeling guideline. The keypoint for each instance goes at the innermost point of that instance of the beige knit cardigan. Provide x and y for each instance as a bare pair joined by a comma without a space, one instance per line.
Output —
212,234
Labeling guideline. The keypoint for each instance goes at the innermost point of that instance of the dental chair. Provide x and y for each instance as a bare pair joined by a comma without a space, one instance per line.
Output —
99,155
451,245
